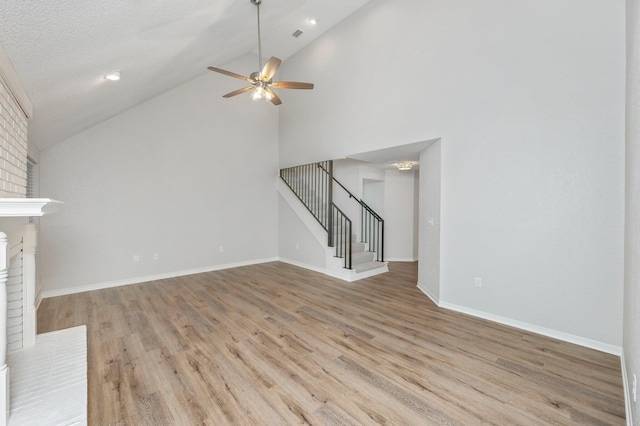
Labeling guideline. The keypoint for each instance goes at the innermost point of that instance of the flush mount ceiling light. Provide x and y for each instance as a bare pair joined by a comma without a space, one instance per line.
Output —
260,81
404,165
113,76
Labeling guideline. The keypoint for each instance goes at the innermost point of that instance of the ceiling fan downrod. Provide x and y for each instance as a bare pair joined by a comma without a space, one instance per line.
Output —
257,4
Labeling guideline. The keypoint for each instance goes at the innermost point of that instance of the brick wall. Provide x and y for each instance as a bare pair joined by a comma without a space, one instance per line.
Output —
13,145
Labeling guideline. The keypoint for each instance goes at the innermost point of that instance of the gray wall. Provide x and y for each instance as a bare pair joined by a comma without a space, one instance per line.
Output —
632,231
296,243
180,176
430,221
528,100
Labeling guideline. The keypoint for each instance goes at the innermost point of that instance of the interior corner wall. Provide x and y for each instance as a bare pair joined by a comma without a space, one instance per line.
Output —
187,175
632,232
430,221
416,214
33,152
528,100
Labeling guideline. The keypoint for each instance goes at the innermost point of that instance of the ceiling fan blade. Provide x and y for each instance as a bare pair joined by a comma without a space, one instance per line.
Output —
237,92
270,68
274,98
291,85
230,74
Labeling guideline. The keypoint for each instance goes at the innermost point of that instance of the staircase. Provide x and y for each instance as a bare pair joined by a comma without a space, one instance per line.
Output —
349,256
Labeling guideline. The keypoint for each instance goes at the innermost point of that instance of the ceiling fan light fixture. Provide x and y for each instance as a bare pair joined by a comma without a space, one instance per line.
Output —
258,94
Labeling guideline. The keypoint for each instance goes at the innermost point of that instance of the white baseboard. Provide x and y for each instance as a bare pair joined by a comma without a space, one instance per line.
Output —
566,337
142,279
401,259
628,398
344,275
427,293
313,268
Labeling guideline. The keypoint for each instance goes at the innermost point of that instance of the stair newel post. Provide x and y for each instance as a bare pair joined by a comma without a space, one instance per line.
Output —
4,369
349,246
330,203
381,233
362,218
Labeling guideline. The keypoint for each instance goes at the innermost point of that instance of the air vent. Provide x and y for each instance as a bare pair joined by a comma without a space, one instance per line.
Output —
297,34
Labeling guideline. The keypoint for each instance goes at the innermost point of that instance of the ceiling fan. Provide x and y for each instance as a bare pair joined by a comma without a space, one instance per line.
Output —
260,81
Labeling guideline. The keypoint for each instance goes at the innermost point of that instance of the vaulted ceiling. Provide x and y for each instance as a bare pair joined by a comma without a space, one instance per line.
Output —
63,49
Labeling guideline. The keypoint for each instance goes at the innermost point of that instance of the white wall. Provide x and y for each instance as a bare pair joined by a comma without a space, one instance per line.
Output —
399,200
347,172
528,99
373,195
180,175
632,231
416,213
429,227
390,194
295,241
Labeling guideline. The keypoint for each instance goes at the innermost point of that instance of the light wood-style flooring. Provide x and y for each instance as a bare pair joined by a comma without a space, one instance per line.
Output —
273,344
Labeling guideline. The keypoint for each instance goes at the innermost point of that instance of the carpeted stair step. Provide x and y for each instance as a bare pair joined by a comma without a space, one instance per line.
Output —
361,257
368,266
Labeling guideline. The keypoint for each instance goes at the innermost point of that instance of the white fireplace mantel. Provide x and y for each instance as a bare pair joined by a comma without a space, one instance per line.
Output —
21,207
16,208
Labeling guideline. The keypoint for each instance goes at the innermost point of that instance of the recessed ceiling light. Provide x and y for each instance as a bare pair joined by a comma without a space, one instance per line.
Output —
312,21
113,76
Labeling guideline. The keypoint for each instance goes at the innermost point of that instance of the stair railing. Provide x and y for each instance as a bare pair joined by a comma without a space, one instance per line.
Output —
371,224
340,234
312,185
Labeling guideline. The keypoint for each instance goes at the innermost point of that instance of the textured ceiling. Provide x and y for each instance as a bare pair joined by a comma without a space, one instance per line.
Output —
63,49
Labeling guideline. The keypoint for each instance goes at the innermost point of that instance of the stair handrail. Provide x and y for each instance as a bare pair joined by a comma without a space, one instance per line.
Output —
374,238
323,217
315,191
306,184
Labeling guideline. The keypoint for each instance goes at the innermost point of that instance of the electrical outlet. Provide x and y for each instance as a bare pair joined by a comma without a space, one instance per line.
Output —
477,281
155,256
634,389
221,249
136,258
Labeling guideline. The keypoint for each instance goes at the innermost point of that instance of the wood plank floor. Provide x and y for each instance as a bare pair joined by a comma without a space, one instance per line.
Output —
273,344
